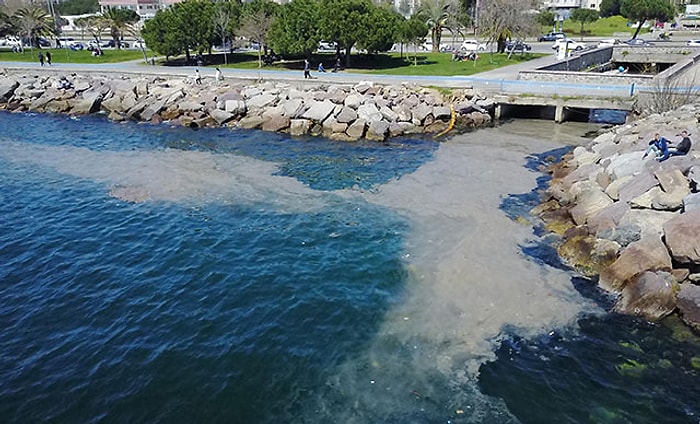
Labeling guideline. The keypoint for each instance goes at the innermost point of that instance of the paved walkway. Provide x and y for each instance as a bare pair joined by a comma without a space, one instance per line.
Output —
509,73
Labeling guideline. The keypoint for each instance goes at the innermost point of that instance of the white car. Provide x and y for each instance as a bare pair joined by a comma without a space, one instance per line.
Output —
608,42
570,44
693,43
139,44
472,46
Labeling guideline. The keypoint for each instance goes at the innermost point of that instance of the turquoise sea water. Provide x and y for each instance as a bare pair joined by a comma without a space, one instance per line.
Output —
155,274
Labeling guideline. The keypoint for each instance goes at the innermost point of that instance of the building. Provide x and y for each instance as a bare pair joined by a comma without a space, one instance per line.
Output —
146,8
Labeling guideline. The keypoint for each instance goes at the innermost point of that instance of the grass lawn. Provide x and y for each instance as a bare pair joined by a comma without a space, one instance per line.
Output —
604,27
439,64
70,56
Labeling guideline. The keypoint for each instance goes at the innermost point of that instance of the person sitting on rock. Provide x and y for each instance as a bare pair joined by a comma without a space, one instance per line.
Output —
683,146
659,145
321,68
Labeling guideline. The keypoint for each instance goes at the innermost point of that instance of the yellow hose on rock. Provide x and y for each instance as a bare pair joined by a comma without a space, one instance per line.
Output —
453,118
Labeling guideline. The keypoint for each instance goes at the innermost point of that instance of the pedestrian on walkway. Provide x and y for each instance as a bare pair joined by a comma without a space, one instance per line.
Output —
219,76
307,69
41,58
48,58
197,77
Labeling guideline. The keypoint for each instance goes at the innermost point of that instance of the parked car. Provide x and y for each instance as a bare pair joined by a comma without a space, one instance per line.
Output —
693,43
517,46
76,45
111,43
552,36
43,42
608,42
326,46
638,42
570,44
472,46
139,44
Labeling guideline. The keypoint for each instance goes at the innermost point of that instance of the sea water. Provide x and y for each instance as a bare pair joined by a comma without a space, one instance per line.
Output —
157,274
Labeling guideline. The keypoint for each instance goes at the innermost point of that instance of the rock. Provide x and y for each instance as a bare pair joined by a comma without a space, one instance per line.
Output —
613,188
363,86
220,116
298,127
583,156
421,112
477,118
395,129
346,115
356,130
688,300
650,295
587,254
649,222
403,113
608,217
292,108
691,202
588,204
636,186
377,130
682,234
275,122
236,107
693,176
57,106
153,109
354,100
319,111
647,254
442,113
388,114
7,88
261,101
625,164
369,113
190,106
251,121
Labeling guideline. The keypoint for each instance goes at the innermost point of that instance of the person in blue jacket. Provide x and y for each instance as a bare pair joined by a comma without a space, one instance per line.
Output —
659,145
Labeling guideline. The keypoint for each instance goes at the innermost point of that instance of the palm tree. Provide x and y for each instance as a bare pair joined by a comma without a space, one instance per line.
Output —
438,16
118,21
34,22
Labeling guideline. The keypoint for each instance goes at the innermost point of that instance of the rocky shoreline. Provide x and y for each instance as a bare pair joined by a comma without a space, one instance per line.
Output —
630,223
336,111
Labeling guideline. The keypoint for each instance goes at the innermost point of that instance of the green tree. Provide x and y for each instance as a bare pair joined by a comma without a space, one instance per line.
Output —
93,24
438,15
609,8
164,34
500,20
384,31
546,18
118,21
34,22
413,31
642,10
77,7
345,22
295,28
584,16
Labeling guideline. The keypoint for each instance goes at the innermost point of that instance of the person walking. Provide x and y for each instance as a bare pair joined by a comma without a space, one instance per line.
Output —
307,69
41,58
336,68
219,77
48,58
197,77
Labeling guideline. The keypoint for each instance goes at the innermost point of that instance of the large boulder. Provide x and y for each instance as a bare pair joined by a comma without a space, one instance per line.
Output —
589,203
647,254
298,127
319,111
688,300
346,115
682,235
7,88
377,130
650,295
220,116
369,113
235,107
356,130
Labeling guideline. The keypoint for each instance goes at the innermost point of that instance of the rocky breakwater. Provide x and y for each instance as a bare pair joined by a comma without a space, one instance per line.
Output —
339,112
633,223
